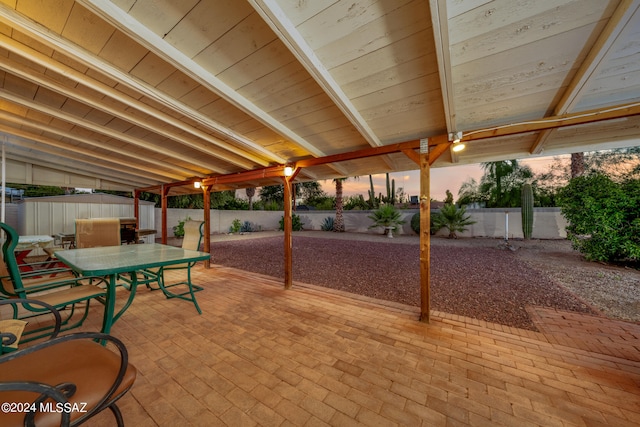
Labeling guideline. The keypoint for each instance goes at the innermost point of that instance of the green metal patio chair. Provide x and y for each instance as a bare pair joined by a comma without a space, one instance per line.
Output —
193,234
60,292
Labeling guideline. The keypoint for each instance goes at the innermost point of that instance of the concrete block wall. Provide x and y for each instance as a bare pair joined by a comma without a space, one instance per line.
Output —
548,223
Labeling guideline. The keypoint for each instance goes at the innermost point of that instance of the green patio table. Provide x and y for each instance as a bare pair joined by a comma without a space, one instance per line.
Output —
113,261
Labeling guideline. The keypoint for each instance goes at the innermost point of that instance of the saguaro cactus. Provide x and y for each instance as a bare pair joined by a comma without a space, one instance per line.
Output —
372,195
527,210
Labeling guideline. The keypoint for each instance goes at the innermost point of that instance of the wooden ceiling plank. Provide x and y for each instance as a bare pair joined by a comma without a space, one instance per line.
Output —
9,17
45,145
153,42
52,85
106,131
594,61
89,171
164,170
289,35
108,91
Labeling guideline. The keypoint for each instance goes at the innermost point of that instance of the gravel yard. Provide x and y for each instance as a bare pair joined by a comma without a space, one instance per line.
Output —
479,278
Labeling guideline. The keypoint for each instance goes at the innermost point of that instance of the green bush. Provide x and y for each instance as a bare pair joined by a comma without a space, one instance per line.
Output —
603,216
296,223
236,225
415,223
178,230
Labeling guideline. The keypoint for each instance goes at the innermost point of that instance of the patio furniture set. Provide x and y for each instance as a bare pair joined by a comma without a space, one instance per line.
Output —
52,374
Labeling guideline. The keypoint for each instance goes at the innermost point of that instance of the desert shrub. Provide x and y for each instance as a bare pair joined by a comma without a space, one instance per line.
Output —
603,216
296,223
247,227
415,223
327,224
178,230
236,225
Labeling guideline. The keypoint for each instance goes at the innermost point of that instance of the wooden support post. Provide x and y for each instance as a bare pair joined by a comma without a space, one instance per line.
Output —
425,233
136,207
206,190
288,239
165,192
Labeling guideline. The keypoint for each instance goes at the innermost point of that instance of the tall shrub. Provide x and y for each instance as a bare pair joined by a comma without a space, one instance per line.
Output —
603,216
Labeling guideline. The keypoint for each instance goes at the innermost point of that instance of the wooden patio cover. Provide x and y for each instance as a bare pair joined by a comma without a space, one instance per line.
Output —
153,94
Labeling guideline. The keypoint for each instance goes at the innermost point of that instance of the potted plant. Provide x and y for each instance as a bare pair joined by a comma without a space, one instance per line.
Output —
386,216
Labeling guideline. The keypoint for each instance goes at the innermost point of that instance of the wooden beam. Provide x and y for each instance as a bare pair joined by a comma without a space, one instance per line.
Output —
206,194
596,59
425,235
104,130
563,120
288,238
287,32
359,154
136,207
203,142
440,23
164,205
119,18
79,154
411,154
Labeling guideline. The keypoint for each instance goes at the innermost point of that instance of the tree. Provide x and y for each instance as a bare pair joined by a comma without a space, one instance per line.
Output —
453,219
272,194
502,182
469,192
250,191
386,216
338,224
577,165
603,216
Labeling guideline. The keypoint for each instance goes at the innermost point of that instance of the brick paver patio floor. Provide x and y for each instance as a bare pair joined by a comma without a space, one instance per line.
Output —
308,356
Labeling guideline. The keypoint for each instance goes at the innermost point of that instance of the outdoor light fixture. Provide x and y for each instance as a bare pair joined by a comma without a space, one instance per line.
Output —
288,170
197,184
455,138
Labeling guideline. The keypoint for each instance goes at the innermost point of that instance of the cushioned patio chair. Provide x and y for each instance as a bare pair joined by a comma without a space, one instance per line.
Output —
193,234
96,232
67,380
67,292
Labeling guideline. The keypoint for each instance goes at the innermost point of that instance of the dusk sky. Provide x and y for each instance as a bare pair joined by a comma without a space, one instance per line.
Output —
442,179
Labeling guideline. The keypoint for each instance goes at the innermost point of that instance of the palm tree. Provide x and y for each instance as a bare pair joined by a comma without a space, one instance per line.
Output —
386,216
251,191
338,224
453,219
496,172
577,164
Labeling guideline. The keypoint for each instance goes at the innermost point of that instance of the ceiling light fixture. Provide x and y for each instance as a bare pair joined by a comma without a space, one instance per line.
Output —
457,145
288,170
197,184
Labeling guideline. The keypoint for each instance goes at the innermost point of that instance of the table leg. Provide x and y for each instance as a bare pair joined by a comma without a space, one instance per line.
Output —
109,304
132,293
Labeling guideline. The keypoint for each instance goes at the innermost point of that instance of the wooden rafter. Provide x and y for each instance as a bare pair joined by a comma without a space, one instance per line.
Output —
595,60
121,20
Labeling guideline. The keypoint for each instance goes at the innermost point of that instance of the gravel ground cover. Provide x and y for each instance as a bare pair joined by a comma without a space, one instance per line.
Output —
479,278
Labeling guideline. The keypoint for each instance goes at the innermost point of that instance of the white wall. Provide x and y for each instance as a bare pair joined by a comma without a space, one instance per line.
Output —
548,223
49,216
